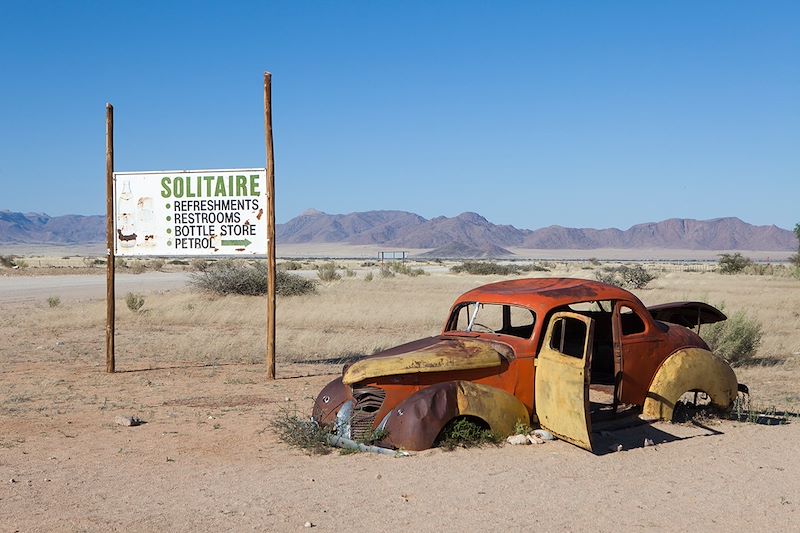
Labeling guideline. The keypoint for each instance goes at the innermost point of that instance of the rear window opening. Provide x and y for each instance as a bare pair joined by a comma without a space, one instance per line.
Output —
500,319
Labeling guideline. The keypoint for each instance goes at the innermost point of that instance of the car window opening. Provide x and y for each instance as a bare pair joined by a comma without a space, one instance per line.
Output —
500,319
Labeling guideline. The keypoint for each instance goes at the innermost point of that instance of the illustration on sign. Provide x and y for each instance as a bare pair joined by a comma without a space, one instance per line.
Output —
198,212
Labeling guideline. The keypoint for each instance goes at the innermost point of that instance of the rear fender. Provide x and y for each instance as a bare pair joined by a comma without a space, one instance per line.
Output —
689,369
416,422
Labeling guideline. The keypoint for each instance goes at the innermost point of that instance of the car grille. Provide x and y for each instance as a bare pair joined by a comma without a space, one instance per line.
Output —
368,401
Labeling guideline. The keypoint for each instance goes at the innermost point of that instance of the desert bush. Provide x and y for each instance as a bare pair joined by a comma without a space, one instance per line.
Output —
119,262
484,268
736,339
300,431
327,272
199,265
134,301
369,264
7,261
178,262
20,263
156,264
386,272
138,267
369,276
236,277
403,268
532,267
466,432
627,277
290,265
733,263
54,301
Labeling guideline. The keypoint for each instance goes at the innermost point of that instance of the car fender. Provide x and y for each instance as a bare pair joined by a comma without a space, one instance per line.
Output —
416,422
689,369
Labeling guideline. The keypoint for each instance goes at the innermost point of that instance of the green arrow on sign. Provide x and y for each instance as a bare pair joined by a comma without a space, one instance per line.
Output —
242,242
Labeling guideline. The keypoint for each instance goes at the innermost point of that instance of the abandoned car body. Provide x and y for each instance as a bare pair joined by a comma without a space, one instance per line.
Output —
530,350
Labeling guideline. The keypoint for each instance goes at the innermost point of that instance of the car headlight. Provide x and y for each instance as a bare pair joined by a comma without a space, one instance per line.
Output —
343,418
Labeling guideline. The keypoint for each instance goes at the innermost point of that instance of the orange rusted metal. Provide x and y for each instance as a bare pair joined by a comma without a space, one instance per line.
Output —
413,390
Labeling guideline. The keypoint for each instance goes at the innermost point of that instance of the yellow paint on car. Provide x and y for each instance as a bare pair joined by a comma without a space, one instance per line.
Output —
497,408
687,370
450,356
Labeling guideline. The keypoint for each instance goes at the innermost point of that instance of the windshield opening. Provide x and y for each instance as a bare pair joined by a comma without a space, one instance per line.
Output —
500,319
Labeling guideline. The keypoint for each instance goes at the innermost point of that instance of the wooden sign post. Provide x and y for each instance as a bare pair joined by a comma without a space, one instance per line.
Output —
270,226
110,238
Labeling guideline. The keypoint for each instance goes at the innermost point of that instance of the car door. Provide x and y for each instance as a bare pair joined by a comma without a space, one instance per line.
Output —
561,387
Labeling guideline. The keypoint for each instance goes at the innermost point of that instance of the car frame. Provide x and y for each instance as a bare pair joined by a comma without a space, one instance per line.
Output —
585,337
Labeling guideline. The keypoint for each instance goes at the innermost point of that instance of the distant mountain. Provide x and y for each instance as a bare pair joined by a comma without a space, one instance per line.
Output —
38,228
458,250
408,230
675,233
465,235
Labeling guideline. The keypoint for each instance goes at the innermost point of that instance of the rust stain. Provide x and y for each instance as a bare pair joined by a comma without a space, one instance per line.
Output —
131,237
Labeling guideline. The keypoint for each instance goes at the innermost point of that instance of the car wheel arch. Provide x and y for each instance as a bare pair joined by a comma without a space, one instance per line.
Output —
417,422
686,370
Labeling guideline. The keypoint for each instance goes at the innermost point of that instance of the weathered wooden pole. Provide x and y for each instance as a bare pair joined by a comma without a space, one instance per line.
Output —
270,226
110,309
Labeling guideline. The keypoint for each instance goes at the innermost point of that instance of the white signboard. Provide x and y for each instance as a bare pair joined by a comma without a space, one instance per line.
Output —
190,213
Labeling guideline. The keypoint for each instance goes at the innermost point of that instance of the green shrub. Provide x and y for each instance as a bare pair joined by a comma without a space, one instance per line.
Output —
466,432
627,277
733,263
300,431
134,301
54,301
369,276
736,339
178,262
156,264
230,276
119,262
327,272
484,268
350,273
7,261
138,267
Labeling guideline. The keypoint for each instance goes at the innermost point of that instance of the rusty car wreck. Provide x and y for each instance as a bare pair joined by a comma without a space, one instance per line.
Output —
532,351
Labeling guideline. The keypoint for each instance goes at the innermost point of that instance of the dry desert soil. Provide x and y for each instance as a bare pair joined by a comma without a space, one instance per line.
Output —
207,458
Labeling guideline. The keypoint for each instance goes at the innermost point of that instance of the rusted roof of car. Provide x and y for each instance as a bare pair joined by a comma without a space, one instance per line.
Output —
533,292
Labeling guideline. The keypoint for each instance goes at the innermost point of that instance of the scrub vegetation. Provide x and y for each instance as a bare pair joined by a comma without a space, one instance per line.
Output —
466,432
232,276
627,277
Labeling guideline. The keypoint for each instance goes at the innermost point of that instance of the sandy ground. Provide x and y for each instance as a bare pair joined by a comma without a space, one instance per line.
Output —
207,459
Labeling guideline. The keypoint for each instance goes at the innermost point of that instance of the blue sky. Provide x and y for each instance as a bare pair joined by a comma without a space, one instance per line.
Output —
591,114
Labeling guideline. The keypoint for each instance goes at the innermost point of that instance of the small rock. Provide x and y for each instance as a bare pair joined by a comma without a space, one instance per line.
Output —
535,440
308,524
210,417
378,476
544,434
128,421
12,480
649,442
516,440
288,400
615,448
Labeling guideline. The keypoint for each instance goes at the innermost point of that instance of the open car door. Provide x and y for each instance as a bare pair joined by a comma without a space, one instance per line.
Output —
562,378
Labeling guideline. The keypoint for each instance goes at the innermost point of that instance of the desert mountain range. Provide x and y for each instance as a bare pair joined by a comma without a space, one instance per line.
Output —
468,234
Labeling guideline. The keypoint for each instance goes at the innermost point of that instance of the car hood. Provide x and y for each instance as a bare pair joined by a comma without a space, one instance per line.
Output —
434,354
